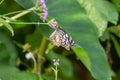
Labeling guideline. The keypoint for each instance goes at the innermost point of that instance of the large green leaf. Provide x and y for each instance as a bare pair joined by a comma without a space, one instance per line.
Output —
105,8
100,12
8,54
12,73
73,20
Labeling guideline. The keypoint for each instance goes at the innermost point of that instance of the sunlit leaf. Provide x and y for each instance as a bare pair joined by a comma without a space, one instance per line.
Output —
105,8
100,12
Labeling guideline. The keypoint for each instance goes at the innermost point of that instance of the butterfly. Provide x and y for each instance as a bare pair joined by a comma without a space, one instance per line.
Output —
60,38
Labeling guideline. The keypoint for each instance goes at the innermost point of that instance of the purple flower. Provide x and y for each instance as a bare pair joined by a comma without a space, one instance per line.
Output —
44,10
44,7
41,1
53,24
44,15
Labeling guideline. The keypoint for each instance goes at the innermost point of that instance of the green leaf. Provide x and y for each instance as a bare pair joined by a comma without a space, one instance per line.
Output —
105,8
12,73
65,65
8,54
7,25
72,18
100,12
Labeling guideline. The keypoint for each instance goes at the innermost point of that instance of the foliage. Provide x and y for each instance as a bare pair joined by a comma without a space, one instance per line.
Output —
93,25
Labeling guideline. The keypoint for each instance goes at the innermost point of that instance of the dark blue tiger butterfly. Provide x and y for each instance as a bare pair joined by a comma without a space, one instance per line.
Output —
60,38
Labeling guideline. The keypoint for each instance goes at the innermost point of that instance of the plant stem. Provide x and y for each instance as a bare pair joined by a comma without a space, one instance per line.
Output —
28,23
42,49
20,15
56,72
15,12
43,46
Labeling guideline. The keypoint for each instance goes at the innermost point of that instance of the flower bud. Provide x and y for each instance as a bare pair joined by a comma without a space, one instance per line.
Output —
56,62
53,24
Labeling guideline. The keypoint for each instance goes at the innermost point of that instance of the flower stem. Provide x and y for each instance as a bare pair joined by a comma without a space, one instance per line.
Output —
15,12
56,72
28,23
22,13
19,15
